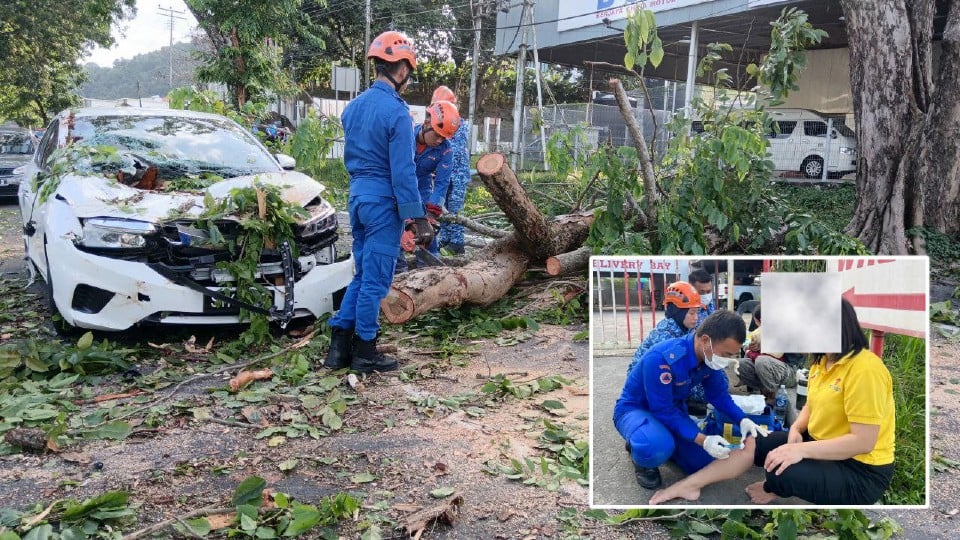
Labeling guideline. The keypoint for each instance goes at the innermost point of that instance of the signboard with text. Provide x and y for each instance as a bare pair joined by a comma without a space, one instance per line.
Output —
579,14
639,265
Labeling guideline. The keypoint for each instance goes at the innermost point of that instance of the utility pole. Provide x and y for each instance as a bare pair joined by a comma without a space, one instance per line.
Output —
366,43
170,13
518,93
478,13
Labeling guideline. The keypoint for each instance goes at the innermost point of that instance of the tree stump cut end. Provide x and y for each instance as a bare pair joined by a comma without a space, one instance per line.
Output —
398,307
490,164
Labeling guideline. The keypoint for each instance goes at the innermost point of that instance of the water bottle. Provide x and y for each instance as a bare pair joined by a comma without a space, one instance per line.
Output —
780,407
801,389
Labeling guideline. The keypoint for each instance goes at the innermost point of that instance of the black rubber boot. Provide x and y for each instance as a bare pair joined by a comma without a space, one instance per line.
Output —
341,348
648,478
366,358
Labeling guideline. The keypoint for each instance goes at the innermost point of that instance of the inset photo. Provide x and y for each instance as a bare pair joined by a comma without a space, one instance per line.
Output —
759,382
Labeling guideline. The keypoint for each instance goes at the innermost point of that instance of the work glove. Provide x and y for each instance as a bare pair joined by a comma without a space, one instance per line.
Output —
434,210
749,427
716,446
423,231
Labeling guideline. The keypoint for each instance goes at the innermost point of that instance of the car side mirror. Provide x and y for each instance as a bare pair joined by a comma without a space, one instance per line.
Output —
833,134
285,161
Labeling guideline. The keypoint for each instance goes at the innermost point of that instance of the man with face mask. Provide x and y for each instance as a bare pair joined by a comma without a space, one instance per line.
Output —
703,283
651,414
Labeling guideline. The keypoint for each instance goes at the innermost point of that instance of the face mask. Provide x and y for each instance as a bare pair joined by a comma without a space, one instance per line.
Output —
706,298
716,362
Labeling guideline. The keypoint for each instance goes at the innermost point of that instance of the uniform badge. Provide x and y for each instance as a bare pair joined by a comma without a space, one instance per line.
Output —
666,377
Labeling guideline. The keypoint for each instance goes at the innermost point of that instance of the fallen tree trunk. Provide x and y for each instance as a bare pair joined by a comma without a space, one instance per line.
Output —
532,232
482,281
496,268
569,262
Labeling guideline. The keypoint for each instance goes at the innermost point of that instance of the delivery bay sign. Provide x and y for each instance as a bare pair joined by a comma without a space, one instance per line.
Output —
579,13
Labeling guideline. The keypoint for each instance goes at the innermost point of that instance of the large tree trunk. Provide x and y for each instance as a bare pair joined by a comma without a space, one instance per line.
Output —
482,281
908,173
497,267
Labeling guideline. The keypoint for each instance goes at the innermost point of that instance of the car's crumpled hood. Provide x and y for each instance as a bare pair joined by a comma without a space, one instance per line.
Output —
98,196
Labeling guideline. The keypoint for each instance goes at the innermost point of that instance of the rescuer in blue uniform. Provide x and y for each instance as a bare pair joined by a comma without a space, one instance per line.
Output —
651,414
434,162
378,154
451,234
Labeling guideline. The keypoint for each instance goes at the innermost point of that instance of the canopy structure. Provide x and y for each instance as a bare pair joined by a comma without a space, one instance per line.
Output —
574,32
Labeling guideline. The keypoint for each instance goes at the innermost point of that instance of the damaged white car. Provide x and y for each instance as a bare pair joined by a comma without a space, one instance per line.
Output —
117,241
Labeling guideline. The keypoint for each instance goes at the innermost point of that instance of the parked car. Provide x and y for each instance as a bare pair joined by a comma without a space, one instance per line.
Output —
16,149
798,142
116,251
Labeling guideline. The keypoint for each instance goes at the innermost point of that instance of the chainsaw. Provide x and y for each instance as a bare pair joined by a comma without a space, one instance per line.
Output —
408,242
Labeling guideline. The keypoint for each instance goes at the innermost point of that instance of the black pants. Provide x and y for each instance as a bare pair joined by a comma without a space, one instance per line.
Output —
822,481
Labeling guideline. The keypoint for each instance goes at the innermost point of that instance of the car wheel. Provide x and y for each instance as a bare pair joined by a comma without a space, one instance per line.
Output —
812,167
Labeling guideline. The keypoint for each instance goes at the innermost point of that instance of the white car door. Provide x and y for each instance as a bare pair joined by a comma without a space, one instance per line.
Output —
32,210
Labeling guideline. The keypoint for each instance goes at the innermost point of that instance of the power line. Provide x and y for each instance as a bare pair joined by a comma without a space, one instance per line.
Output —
170,13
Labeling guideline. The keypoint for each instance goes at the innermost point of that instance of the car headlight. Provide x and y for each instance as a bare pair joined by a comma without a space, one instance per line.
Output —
113,233
848,150
19,170
323,218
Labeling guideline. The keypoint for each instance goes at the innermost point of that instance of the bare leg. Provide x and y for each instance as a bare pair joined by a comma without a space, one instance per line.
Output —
758,495
721,469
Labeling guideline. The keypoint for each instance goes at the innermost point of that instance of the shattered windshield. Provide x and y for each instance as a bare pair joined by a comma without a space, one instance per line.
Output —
181,146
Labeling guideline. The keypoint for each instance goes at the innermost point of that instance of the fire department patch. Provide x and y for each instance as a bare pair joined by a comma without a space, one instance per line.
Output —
666,377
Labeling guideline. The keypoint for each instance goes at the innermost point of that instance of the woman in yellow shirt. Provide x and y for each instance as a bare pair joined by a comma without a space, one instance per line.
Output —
840,449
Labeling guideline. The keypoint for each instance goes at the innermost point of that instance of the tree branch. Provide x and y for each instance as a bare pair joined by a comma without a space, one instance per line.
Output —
646,162
474,226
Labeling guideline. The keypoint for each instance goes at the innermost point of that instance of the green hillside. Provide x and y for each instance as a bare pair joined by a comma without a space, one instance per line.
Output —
152,70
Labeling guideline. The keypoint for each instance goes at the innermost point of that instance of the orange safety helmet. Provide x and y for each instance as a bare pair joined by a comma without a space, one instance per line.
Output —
444,118
443,93
682,295
393,46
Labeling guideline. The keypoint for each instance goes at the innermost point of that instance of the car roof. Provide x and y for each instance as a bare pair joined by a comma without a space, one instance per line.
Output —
137,111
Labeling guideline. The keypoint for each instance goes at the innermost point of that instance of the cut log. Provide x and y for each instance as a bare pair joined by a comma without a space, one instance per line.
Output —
531,229
482,281
497,267
569,262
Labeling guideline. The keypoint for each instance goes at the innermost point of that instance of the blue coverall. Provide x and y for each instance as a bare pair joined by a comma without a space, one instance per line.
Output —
378,154
665,329
434,165
652,413
697,393
452,233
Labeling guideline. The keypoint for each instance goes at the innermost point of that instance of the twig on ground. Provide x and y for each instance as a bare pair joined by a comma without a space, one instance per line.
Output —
156,527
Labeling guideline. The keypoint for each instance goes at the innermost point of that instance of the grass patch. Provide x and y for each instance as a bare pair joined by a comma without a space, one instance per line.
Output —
905,358
831,205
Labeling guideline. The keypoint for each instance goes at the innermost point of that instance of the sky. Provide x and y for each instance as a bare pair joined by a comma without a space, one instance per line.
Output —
148,31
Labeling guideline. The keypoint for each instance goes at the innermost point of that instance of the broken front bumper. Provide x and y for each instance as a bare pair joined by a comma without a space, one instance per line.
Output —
103,293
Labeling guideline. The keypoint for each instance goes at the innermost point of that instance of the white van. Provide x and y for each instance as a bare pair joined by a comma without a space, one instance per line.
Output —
798,142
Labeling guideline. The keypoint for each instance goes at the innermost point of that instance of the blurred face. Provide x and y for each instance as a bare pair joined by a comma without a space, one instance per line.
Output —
690,321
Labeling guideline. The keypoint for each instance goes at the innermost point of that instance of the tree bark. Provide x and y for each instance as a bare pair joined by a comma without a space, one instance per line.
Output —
908,173
650,195
536,238
482,281
569,262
